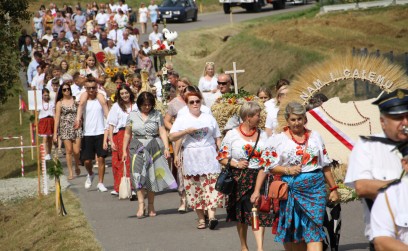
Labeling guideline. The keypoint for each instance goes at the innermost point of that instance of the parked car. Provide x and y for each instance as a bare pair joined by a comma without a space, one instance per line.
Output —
178,10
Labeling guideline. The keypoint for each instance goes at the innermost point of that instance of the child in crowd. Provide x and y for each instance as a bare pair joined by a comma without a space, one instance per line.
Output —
46,123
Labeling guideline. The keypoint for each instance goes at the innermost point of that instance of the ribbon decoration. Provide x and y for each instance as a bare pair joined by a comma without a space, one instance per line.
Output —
336,132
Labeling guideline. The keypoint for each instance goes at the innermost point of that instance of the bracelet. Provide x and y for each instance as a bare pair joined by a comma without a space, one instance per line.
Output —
333,188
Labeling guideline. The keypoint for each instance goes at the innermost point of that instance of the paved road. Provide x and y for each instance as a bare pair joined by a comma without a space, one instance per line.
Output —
117,228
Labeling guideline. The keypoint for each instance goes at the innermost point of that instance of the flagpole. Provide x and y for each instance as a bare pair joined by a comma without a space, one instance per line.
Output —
20,108
37,144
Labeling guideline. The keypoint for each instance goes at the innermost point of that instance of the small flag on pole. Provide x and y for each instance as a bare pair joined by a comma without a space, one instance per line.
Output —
23,106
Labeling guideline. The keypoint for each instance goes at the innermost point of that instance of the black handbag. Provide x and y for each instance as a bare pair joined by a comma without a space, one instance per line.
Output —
225,181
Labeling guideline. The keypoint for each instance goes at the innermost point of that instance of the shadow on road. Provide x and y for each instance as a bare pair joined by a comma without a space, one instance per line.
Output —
354,246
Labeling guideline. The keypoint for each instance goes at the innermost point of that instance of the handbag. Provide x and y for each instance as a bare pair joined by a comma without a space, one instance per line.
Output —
225,181
125,191
279,189
265,201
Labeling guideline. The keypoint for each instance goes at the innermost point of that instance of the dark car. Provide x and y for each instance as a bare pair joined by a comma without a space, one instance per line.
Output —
178,10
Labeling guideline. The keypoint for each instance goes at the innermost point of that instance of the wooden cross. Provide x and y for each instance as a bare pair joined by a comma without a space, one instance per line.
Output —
235,71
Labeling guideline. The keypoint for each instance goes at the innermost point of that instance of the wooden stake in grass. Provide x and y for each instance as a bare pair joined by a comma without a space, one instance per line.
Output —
235,71
54,169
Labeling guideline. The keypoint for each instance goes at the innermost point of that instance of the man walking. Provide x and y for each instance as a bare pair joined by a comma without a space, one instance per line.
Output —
128,49
93,130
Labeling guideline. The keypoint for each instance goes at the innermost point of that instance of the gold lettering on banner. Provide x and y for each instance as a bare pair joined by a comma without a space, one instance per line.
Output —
363,72
311,90
371,76
380,80
355,74
304,96
318,84
332,76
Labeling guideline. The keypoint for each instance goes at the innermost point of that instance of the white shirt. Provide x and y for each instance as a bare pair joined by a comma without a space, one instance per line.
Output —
102,18
283,151
153,37
381,220
372,161
46,109
49,83
93,118
127,46
115,35
117,117
76,91
38,81
199,147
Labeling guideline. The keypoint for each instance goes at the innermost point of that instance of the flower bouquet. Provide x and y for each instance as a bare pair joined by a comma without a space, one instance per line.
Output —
230,104
346,193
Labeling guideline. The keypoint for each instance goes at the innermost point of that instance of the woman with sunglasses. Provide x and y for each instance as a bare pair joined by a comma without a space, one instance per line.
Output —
173,107
208,84
200,136
65,114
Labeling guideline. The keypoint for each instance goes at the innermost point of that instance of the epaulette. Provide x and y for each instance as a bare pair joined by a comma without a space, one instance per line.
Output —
379,139
394,182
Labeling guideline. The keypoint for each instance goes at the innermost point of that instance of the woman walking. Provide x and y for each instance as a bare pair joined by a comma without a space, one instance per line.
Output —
300,156
65,114
201,138
149,148
241,149
124,104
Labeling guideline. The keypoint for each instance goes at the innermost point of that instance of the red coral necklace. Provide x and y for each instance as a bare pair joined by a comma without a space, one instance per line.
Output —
253,131
297,142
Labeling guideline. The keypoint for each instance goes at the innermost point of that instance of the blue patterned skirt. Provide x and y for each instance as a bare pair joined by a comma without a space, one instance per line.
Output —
302,215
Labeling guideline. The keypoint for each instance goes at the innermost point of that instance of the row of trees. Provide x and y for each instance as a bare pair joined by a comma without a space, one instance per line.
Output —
13,13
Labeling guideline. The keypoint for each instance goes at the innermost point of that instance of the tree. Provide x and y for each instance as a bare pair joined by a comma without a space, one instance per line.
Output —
12,14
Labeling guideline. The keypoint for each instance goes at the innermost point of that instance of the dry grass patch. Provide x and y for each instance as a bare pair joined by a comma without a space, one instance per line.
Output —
32,224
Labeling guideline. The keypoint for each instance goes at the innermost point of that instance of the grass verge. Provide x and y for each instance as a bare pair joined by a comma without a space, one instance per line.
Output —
32,224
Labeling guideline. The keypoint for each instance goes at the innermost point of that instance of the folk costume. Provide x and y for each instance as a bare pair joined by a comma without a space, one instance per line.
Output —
239,205
302,214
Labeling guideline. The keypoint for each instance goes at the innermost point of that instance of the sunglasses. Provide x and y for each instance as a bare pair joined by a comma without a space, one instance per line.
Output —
209,63
91,88
65,89
222,83
192,102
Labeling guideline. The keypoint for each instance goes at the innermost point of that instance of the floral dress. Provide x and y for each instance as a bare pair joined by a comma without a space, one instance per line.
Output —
66,124
239,206
302,214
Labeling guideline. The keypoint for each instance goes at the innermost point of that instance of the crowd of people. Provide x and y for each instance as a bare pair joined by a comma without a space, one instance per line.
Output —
174,142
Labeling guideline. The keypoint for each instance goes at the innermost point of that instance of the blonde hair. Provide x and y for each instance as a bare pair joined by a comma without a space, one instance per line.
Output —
249,109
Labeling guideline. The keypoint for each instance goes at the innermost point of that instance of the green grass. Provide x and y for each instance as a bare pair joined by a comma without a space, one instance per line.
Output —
33,224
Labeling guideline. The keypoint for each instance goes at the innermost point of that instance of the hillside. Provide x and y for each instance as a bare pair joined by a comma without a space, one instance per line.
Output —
280,46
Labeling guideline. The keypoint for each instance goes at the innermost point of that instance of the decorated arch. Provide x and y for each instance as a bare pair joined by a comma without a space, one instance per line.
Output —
340,124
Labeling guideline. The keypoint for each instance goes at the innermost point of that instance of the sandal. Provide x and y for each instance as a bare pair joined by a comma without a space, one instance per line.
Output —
212,223
140,211
201,224
150,209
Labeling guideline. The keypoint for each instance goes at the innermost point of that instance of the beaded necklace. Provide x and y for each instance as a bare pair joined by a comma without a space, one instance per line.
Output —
297,142
249,134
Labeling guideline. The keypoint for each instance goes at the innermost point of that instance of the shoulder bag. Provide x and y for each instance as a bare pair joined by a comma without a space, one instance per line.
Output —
279,189
225,180
125,192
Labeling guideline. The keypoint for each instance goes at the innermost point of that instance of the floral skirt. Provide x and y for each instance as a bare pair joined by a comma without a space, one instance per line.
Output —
302,214
239,205
201,193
